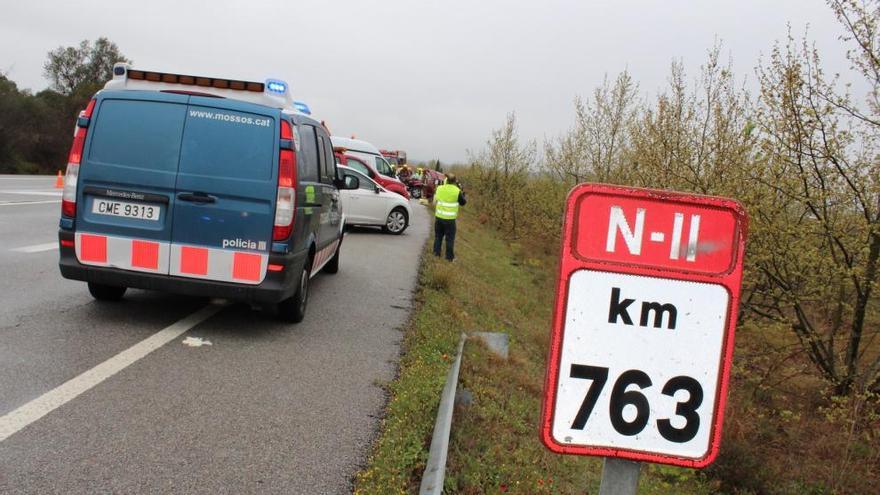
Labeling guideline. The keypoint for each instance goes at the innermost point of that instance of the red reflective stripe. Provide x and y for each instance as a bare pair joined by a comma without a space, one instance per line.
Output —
145,254
246,266
194,260
93,248
276,268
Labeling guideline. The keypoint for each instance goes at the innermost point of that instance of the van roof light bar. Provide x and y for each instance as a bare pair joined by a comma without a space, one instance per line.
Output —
211,82
273,92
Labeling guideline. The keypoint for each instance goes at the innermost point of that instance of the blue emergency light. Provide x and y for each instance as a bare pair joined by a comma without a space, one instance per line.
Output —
302,107
276,86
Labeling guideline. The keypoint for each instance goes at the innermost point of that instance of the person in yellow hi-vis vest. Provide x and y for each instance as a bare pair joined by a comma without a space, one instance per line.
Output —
447,199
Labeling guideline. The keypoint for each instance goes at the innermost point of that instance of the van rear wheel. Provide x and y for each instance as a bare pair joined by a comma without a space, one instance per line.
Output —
103,292
293,308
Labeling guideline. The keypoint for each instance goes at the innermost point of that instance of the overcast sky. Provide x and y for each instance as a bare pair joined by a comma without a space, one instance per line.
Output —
429,77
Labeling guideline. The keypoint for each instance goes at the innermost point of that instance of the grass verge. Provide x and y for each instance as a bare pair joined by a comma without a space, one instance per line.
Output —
495,445
783,434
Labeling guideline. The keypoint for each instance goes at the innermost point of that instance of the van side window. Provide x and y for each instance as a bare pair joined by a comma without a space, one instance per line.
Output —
325,162
331,160
307,167
328,161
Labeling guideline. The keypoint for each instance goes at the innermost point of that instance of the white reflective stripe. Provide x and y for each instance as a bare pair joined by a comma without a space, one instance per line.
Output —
119,253
220,265
322,257
446,210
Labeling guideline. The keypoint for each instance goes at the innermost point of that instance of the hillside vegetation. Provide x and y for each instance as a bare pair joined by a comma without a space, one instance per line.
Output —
36,129
803,156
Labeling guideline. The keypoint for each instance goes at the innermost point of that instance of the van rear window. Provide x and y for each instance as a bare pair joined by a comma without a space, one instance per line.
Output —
137,134
227,143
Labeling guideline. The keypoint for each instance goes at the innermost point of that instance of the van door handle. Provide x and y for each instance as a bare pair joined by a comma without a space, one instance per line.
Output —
197,197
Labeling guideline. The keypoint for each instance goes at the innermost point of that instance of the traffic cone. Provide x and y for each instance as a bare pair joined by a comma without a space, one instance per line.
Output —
59,181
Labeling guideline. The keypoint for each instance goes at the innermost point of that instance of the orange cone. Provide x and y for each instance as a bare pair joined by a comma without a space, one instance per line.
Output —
59,181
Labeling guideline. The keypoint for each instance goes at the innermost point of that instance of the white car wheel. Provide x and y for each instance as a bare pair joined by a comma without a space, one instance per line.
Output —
396,222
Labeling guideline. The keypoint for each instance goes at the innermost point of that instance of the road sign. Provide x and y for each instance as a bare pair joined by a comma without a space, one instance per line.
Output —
642,337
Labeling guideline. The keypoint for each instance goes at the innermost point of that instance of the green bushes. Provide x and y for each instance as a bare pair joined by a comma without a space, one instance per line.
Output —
36,129
801,157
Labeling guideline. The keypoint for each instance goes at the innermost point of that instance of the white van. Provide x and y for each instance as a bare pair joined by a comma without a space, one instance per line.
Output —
366,152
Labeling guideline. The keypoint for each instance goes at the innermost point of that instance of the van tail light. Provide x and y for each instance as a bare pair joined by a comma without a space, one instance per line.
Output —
285,204
74,160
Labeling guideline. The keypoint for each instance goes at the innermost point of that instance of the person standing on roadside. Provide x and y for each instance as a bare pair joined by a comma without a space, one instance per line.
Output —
447,198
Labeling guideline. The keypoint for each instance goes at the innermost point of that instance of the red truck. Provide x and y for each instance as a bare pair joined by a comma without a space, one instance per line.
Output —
396,158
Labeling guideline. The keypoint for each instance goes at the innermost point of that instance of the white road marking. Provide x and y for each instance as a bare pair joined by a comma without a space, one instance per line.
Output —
19,418
26,177
37,248
196,342
32,193
17,203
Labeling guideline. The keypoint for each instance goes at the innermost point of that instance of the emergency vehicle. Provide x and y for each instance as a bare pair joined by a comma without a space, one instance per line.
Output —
201,186
396,158
365,151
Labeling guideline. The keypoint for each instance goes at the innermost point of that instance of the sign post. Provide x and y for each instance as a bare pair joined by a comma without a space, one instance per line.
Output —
619,477
642,338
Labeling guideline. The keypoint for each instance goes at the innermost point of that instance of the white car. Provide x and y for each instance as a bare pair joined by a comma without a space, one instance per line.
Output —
372,204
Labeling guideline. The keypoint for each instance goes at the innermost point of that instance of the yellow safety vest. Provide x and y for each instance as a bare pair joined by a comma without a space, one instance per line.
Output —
447,201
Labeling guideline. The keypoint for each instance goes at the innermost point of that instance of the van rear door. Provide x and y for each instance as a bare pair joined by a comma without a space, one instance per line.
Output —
225,191
126,186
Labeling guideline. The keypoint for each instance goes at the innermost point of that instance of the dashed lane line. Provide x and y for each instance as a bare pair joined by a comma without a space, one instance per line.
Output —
20,418
19,203
37,248
31,193
45,178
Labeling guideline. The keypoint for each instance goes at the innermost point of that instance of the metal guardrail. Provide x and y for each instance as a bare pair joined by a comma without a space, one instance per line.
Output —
435,470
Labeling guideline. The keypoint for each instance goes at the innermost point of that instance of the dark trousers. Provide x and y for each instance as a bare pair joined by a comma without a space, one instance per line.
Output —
444,228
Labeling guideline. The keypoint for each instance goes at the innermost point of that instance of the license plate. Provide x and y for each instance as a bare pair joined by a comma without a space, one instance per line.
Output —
126,209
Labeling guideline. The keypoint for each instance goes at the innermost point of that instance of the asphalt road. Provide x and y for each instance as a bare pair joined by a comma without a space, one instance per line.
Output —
267,407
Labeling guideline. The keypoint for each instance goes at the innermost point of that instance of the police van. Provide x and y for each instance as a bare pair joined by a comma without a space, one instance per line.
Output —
200,186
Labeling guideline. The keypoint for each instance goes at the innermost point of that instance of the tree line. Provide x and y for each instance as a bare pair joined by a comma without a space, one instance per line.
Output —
802,155
36,129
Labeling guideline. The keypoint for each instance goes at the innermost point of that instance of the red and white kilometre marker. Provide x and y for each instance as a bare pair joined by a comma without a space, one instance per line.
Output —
642,337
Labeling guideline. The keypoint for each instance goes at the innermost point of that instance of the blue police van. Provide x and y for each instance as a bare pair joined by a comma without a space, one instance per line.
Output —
200,186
